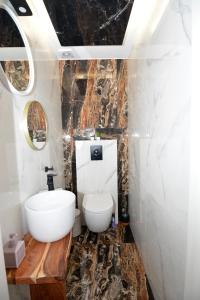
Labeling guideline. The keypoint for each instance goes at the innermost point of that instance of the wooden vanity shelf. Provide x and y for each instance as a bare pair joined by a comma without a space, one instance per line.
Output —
44,268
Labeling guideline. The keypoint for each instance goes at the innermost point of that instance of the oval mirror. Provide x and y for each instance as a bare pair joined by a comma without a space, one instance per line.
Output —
35,125
16,61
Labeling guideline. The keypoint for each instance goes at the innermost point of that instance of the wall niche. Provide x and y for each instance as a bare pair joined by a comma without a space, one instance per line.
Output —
94,97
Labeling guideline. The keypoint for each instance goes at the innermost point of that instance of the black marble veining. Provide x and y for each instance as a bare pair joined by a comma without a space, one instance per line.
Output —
105,267
89,22
94,98
9,33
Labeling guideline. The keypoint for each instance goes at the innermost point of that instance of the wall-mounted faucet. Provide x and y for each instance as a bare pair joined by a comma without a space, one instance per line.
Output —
50,178
50,181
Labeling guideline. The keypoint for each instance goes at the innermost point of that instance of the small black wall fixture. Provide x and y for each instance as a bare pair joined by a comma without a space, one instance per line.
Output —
21,7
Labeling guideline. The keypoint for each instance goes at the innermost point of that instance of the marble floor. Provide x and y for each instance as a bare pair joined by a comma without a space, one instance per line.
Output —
106,266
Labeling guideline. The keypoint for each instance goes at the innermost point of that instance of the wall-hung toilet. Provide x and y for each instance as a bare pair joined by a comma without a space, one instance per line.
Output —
97,209
97,191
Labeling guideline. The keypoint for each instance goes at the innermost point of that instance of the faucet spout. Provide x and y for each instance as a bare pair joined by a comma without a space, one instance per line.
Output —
50,182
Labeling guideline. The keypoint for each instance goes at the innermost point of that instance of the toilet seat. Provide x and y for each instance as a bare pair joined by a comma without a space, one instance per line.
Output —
98,203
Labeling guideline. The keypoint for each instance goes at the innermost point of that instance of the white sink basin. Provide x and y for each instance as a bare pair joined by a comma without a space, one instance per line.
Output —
50,215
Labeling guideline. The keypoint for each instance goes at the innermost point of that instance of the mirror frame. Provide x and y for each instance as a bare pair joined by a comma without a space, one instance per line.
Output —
3,78
25,125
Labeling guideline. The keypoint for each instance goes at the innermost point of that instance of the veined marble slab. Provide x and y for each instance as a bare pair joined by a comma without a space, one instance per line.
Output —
94,98
103,267
89,23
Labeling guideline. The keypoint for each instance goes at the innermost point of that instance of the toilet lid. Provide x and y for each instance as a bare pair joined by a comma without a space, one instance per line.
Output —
97,203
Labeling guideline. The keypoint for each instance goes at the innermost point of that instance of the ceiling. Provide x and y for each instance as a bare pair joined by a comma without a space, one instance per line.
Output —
87,29
89,23
10,36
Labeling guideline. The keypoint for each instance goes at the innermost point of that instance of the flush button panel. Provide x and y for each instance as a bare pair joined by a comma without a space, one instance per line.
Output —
96,152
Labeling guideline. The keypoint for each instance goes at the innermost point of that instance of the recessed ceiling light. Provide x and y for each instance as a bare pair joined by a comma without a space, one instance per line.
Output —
67,54
22,9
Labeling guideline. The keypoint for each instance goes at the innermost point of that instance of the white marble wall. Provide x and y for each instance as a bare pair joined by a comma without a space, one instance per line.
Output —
32,177
97,176
9,181
23,168
22,172
10,212
159,151
192,286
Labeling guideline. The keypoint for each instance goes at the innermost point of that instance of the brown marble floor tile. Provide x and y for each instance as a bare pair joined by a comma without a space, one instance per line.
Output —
103,267
80,276
86,237
110,236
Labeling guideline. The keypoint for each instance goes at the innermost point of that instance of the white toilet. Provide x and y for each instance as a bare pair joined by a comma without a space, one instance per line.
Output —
97,210
97,191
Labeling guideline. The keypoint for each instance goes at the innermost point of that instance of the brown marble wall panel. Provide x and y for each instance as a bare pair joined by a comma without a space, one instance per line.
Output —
17,73
93,99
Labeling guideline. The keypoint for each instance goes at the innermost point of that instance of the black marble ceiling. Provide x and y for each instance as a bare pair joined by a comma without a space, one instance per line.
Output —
89,22
9,33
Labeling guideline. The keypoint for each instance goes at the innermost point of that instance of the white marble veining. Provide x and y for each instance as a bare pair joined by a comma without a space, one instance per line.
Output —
192,286
10,209
159,152
98,176
175,27
172,36
22,172
31,163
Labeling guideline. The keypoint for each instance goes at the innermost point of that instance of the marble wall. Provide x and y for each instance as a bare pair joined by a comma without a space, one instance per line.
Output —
10,214
192,287
159,151
23,168
94,98
17,73
22,172
30,177
89,23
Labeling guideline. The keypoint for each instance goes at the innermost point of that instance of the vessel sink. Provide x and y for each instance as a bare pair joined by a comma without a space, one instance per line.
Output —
50,215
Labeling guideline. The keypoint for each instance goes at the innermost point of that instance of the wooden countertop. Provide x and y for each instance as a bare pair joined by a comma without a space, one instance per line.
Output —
44,262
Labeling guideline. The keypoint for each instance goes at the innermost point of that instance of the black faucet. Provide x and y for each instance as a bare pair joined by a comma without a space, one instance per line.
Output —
46,169
50,178
50,181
